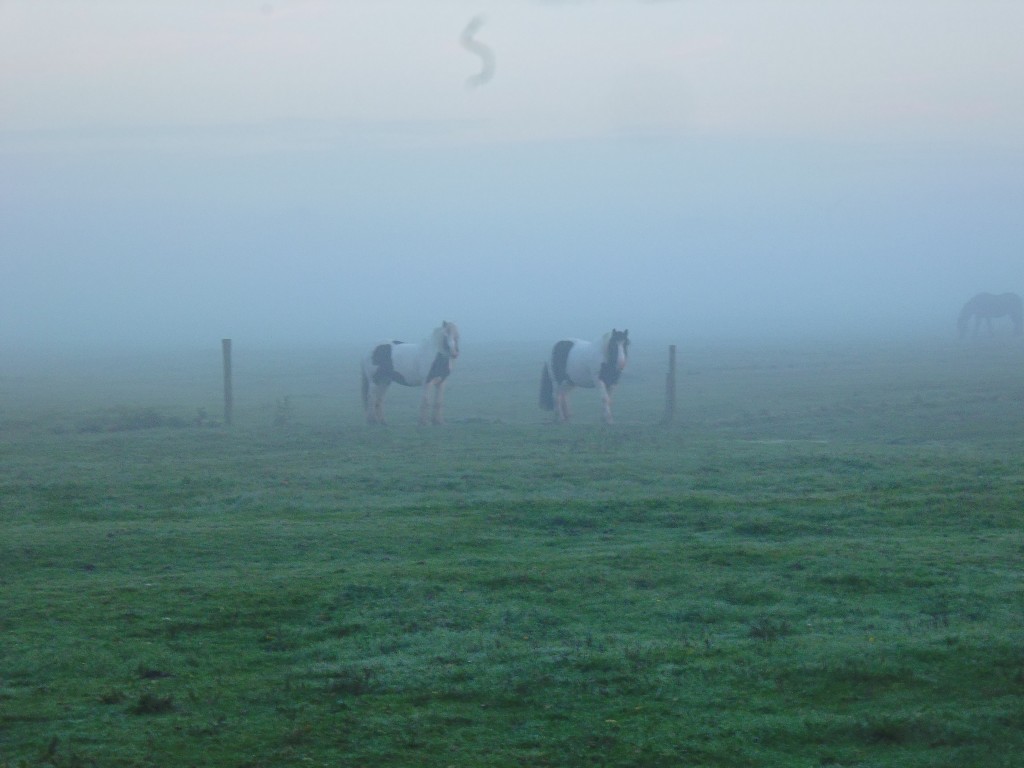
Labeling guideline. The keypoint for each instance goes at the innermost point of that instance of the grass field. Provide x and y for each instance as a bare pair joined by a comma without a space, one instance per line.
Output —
817,564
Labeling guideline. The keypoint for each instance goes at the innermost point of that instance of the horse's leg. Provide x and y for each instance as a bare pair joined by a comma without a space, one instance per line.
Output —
368,397
425,403
378,402
562,403
438,417
606,401
370,400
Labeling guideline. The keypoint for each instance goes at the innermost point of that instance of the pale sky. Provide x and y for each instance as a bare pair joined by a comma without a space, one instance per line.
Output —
313,170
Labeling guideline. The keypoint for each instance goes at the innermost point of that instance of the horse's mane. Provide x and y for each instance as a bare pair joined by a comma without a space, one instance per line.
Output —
621,337
610,370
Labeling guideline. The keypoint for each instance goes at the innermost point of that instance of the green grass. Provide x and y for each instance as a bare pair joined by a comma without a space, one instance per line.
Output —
817,564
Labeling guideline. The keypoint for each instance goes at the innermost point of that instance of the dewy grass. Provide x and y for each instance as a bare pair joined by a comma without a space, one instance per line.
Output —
830,578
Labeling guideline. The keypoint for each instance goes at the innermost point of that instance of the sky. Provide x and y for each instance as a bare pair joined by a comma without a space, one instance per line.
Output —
290,172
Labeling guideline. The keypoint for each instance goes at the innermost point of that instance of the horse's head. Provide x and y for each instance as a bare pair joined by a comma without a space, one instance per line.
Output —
448,339
617,349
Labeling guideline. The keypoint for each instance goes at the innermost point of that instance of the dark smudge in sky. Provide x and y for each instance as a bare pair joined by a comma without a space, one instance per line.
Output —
471,44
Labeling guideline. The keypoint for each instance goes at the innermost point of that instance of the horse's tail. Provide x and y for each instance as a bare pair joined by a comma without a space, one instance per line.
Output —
547,390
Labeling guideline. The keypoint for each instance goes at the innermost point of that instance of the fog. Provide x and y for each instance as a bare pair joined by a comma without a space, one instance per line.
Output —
296,173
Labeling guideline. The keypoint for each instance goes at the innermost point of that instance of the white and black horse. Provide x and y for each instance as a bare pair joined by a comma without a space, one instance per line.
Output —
577,363
427,364
989,306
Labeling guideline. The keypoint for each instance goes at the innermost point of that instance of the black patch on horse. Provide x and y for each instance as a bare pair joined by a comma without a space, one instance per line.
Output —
610,372
440,368
385,372
560,361
381,356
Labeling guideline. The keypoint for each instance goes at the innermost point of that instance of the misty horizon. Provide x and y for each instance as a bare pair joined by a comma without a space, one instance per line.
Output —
713,179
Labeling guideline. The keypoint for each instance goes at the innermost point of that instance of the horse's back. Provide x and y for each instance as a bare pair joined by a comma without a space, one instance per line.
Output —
993,304
1011,300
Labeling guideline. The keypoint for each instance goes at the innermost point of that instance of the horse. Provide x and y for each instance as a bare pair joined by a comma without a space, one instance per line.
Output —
577,363
427,364
986,306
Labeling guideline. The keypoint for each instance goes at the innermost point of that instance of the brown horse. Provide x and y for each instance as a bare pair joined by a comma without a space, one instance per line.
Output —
986,306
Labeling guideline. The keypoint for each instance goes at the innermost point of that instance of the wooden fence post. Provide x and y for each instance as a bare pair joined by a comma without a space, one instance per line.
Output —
670,386
229,400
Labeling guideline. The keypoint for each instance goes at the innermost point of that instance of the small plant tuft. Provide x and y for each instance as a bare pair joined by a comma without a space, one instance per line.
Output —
128,419
769,629
150,673
353,681
112,696
152,704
